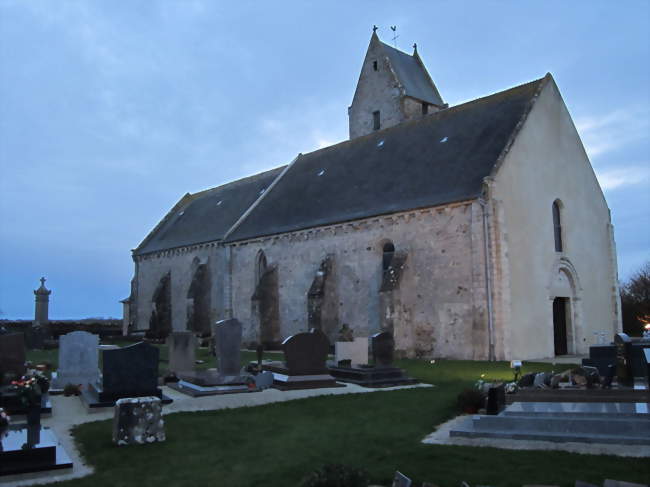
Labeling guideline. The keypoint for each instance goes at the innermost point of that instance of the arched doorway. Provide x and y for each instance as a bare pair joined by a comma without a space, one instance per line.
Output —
566,316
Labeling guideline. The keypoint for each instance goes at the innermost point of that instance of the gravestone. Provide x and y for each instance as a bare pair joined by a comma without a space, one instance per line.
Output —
305,363
78,360
624,372
228,346
12,356
382,373
306,353
356,351
383,349
182,351
496,400
227,335
126,372
137,421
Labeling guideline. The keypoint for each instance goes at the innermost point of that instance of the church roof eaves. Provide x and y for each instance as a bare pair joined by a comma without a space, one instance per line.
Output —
206,216
448,154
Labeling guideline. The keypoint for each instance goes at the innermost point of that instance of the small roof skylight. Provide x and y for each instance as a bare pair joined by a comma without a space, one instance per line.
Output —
181,213
219,203
262,190
444,139
380,143
321,172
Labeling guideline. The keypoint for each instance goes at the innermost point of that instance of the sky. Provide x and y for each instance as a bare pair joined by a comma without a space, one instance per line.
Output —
111,110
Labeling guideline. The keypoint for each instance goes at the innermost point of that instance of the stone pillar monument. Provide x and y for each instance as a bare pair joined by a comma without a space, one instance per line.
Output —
42,304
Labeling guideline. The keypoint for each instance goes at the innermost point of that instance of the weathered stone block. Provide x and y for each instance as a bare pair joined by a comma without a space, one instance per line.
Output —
138,421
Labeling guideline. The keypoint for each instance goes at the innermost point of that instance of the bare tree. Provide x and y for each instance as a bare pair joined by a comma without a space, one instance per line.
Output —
635,301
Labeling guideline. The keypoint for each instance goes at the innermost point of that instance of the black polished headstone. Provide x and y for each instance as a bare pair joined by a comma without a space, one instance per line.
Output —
12,355
25,449
624,372
496,400
131,371
609,376
383,349
228,334
306,353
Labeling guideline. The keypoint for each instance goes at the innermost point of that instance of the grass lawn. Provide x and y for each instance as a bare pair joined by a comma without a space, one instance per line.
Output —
278,444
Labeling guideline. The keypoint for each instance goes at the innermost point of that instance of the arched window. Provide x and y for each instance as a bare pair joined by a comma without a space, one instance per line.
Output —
388,252
557,226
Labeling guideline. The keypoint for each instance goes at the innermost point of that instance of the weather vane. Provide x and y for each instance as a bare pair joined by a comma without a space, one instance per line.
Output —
395,36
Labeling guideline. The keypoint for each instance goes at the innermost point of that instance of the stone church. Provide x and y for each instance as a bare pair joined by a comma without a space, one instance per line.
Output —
475,231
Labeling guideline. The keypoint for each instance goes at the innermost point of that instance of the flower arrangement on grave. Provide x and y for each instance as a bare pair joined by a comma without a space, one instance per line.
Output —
5,421
31,387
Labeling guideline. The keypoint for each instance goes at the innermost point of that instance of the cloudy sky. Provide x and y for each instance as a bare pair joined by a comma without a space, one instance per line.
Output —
111,110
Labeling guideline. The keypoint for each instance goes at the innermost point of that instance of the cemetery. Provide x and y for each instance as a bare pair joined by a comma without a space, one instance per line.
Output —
161,406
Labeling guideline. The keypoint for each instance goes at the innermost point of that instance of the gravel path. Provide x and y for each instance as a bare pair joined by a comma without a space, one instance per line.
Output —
69,411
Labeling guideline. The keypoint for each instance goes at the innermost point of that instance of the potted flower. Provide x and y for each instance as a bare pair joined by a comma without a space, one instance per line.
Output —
29,389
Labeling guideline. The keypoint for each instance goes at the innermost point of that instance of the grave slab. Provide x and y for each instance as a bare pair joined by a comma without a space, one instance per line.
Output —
31,449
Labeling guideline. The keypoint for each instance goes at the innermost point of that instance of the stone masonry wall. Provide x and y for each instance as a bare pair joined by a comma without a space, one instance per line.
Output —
182,265
442,306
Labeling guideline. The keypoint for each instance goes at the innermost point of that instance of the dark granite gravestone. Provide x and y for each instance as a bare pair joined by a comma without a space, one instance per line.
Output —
228,379
305,365
496,400
382,373
126,372
646,358
383,349
601,356
624,374
12,356
306,353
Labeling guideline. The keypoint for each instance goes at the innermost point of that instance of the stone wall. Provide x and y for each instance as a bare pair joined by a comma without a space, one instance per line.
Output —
199,264
376,90
547,162
438,309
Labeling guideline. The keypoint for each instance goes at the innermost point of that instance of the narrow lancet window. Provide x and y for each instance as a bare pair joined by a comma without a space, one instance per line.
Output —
388,252
376,122
557,227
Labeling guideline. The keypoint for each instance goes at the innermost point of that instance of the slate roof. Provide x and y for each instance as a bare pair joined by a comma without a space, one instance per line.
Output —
439,159
207,216
413,76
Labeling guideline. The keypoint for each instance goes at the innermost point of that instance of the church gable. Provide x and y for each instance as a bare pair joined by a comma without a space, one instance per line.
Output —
439,159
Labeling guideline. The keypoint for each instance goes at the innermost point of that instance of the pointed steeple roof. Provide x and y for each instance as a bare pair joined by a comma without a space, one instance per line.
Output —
412,74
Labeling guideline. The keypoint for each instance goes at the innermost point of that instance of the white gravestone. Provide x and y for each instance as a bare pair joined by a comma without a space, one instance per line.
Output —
78,360
355,351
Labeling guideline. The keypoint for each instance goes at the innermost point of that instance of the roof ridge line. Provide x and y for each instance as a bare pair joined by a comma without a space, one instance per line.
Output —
522,120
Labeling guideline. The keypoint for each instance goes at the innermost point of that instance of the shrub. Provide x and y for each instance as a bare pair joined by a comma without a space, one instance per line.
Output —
336,476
